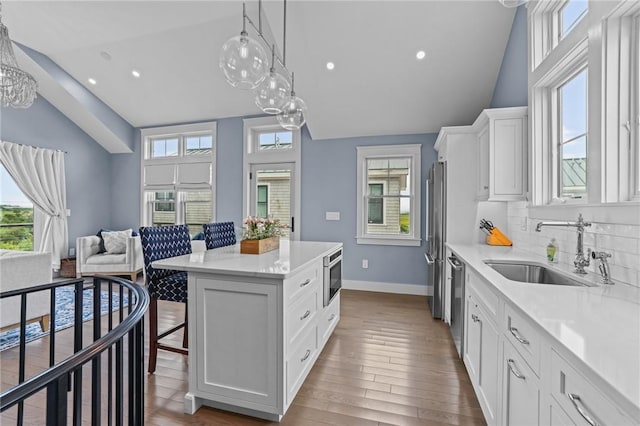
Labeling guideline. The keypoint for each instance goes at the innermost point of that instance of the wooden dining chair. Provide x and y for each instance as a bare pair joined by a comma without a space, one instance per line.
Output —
158,243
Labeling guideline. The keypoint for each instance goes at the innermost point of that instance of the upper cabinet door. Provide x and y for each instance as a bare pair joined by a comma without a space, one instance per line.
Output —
508,159
502,154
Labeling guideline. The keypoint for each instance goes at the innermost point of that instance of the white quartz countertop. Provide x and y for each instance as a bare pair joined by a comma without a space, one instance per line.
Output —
287,260
600,325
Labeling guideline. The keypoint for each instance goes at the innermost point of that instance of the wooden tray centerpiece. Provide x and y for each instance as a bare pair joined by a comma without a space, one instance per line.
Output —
260,235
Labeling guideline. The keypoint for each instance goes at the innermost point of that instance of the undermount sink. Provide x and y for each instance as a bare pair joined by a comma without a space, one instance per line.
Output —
531,272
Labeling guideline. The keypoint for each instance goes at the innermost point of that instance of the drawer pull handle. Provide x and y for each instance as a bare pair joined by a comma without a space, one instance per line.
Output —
577,402
306,355
305,282
519,338
514,370
475,318
332,317
306,314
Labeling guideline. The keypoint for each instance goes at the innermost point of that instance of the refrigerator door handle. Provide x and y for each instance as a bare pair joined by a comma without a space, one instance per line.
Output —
430,260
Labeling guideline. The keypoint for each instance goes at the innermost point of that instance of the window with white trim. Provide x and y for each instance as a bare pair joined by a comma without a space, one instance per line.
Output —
388,203
585,120
571,138
178,175
272,159
569,14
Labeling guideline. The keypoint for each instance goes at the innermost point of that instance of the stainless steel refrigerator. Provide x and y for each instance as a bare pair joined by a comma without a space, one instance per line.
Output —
436,236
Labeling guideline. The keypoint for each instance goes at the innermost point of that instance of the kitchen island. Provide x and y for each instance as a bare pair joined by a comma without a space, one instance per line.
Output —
256,324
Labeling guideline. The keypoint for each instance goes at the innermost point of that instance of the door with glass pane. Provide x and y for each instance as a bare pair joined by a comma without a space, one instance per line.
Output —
272,194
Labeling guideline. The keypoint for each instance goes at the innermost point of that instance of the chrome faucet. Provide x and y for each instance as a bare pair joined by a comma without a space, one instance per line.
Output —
604,266
580,261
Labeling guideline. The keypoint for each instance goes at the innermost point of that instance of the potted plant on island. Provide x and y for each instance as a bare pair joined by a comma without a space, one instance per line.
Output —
260,235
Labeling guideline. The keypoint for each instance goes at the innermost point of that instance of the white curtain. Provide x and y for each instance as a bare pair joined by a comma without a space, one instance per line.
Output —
39,173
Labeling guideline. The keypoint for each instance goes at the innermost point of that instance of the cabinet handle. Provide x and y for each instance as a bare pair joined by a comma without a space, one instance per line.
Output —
485,187
305,283
306,314
577,402
514,370
519,338
332,317
306,355
475,318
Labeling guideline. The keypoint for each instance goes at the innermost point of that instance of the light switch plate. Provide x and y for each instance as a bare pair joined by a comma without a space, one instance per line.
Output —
332,215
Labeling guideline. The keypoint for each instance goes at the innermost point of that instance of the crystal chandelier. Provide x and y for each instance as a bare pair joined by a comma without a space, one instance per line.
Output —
243,61
17,88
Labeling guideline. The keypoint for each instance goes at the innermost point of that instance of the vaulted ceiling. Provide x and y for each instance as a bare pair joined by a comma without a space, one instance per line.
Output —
378,87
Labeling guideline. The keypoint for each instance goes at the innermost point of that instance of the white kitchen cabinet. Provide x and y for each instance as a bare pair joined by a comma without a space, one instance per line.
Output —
520,390
502,154
580,399
481,352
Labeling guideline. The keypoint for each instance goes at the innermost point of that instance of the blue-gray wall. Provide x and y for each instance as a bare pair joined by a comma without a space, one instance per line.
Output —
511,88
87,164
329,184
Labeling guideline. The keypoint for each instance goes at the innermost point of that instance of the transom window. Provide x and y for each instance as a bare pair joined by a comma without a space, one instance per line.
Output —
164,147
199,144
570,14
389,194
572,137
275,140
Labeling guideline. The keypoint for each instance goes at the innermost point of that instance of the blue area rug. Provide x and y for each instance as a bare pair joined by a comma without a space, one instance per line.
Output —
64,314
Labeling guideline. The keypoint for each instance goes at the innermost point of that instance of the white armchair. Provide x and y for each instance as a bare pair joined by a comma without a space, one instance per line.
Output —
89,262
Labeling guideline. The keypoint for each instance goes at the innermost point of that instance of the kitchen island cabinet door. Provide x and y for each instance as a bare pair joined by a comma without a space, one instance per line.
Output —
236,350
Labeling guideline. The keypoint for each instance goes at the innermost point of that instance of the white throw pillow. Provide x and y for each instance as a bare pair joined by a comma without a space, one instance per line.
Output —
115,242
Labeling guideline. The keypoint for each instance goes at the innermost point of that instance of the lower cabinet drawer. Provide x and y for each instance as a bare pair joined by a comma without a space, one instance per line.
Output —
523,336
300,315
329,318
581,400
300,361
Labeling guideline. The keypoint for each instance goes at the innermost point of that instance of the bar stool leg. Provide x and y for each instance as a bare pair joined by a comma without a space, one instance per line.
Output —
153,334
185,336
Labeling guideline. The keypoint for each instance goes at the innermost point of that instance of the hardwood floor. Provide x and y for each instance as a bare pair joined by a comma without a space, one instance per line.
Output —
388,362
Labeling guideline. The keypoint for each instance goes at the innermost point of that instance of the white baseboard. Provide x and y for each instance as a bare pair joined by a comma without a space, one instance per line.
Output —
398,288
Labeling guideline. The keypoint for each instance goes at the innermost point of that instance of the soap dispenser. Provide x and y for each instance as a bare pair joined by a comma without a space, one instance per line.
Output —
552,251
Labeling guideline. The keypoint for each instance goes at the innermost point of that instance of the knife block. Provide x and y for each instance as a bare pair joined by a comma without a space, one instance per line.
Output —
497,238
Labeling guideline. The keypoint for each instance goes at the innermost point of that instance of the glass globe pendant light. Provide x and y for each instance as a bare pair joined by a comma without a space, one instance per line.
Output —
272,93
293,112
243,60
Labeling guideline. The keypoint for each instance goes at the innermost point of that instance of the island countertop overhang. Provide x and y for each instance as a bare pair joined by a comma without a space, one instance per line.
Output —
289,258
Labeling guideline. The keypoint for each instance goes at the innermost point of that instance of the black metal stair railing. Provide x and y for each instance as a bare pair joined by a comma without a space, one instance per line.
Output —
109,361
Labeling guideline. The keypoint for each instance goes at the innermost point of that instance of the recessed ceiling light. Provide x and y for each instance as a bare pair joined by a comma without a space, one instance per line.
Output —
330,66
92,81
420,55
135,73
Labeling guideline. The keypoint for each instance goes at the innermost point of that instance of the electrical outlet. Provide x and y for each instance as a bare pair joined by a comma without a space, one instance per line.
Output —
72,251
365,263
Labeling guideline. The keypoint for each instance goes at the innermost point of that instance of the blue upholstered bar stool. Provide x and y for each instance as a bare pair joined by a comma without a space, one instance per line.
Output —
220,234
160,243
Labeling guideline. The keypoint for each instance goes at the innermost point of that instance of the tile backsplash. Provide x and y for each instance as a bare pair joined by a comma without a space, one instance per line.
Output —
622,241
